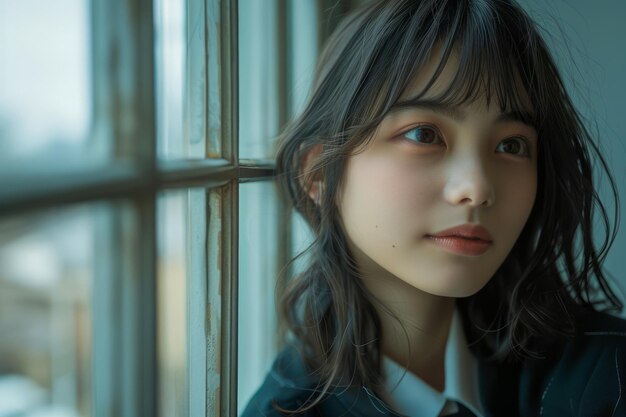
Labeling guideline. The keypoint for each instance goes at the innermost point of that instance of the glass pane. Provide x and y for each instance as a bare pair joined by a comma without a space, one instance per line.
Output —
302,24
172,303
47,268
182,302
170,52
258,257
181,79
301,239
45,83
258,78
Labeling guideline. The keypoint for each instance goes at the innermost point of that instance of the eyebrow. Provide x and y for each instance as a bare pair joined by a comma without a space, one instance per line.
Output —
458,114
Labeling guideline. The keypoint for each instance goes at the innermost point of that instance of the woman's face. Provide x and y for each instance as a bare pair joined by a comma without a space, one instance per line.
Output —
429,169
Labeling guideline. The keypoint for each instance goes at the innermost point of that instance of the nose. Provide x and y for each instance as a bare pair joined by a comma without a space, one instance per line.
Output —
469,183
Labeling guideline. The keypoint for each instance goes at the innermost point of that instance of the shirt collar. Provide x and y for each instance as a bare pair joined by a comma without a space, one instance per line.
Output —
411,396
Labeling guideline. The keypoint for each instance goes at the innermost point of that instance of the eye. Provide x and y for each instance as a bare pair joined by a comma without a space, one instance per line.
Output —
514,146
423,135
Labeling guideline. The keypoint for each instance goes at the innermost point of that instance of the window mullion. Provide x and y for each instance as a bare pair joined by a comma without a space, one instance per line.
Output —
230,244
229,88
229,292
137,75
138,377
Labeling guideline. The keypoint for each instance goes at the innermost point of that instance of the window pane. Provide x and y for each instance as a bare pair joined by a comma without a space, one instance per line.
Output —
182,302
172,303
47,267
182,78
258,256
170,52
302,21
258,78
45,83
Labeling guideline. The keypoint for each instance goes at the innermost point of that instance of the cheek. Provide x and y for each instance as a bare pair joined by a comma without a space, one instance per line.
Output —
385,182
390,190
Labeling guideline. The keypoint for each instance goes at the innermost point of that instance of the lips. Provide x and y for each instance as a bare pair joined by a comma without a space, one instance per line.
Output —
469,240
466,231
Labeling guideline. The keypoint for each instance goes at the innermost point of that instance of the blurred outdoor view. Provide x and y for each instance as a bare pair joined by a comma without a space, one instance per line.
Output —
45,84
56,266
46,277
46,261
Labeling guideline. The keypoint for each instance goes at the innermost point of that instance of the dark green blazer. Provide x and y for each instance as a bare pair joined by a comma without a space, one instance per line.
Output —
584,378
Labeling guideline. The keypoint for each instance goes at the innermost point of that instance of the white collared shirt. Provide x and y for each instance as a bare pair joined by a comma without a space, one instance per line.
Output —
411,396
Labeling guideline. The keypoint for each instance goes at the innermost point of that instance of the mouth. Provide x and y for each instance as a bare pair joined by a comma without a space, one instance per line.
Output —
466,231
469,240
461,245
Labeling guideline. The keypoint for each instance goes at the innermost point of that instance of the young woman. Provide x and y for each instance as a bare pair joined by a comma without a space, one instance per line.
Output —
447,179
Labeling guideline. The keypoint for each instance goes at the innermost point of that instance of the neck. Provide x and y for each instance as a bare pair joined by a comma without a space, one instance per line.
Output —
415,331
415,325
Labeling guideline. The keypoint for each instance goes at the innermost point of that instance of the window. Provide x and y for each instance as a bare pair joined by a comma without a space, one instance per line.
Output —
139,221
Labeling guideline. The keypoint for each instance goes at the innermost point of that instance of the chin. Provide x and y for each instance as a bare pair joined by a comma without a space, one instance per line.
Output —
452,288
465,294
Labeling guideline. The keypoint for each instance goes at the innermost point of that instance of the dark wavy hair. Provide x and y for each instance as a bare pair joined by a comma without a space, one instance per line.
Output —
554,271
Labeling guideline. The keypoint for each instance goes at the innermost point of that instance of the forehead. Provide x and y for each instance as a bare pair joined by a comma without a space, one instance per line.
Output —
446,79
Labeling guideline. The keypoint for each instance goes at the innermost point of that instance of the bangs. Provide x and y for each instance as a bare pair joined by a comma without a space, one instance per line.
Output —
485,66
493,49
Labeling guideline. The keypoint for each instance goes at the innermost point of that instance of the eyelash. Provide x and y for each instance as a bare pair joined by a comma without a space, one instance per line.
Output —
433,129
523,152
525,148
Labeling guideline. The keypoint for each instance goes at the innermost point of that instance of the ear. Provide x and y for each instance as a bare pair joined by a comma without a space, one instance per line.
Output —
312,184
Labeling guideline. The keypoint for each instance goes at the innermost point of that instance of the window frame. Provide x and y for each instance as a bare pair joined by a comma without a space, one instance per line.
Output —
124,357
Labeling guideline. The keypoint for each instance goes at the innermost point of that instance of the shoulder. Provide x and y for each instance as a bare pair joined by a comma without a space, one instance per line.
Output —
599,344
588,376
289,384
602,327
